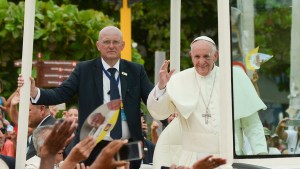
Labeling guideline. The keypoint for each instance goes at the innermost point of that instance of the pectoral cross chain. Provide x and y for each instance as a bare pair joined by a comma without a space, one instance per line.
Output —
206,116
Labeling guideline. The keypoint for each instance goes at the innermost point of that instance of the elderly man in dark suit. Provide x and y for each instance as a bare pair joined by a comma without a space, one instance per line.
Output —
95,84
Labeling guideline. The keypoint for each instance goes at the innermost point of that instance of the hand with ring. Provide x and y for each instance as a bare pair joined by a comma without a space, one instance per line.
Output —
209,162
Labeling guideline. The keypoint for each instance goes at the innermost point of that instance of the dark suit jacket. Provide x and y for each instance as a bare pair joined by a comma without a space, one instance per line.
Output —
86,81
31,150
148,151
10,161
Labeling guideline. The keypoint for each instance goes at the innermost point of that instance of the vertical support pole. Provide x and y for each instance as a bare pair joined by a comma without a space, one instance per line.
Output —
226,136
160,57
125,26
175,35
294,96
25,90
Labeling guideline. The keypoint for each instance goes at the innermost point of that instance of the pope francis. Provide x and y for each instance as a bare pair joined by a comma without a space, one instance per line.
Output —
194,94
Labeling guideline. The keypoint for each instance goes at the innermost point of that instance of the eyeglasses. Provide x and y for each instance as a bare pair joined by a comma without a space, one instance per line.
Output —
205,57
3,130
108,42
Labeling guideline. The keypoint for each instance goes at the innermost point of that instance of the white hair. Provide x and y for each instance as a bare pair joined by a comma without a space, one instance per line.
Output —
39,136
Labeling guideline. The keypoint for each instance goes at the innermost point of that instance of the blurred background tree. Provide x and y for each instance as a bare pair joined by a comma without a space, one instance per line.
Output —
68,29
272,23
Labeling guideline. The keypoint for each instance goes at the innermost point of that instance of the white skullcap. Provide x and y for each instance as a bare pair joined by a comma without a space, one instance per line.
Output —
204,38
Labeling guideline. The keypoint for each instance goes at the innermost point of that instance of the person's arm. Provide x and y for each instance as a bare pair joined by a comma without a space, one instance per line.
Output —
4,101
158,102
8,102
254,80
14,112
79,153
80,166
282,134
160,106
208,162
105,159
154,133
5,106
14,141
253,130
56,95
33,88
11,151
60,135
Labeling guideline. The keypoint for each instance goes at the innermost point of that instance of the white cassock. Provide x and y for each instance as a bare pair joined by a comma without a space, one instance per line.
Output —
168,146
196,99
198,139
34,163
246,119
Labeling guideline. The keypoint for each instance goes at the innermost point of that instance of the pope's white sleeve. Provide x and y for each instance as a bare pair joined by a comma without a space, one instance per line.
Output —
253,130
159,104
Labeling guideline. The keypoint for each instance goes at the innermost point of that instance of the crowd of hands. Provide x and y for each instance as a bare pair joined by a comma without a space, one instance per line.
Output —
62,134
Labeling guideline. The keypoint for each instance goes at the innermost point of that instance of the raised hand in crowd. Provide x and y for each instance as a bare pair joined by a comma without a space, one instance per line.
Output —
280,129
209,162
154,132
3,108
80,152
13,110
59,137
80,166
106,160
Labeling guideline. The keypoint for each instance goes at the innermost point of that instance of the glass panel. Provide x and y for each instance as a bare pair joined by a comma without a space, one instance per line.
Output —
266,86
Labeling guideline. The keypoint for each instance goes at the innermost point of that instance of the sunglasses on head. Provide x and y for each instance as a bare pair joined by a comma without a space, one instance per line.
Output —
3,130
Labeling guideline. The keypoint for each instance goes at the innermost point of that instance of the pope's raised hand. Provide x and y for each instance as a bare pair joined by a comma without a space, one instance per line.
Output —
33,88
164,75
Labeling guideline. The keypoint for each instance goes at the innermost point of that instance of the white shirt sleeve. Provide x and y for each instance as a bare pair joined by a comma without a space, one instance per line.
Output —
159,93
159,104
253,130
34,100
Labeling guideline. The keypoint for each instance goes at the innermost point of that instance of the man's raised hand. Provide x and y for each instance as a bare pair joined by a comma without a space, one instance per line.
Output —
33,88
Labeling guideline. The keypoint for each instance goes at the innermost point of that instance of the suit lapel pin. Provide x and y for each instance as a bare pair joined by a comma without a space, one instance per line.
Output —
124,73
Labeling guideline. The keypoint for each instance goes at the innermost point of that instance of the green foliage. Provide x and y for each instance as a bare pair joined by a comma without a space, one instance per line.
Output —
3,4
153,19
61,33
270,28
151,27
136,57
67,33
